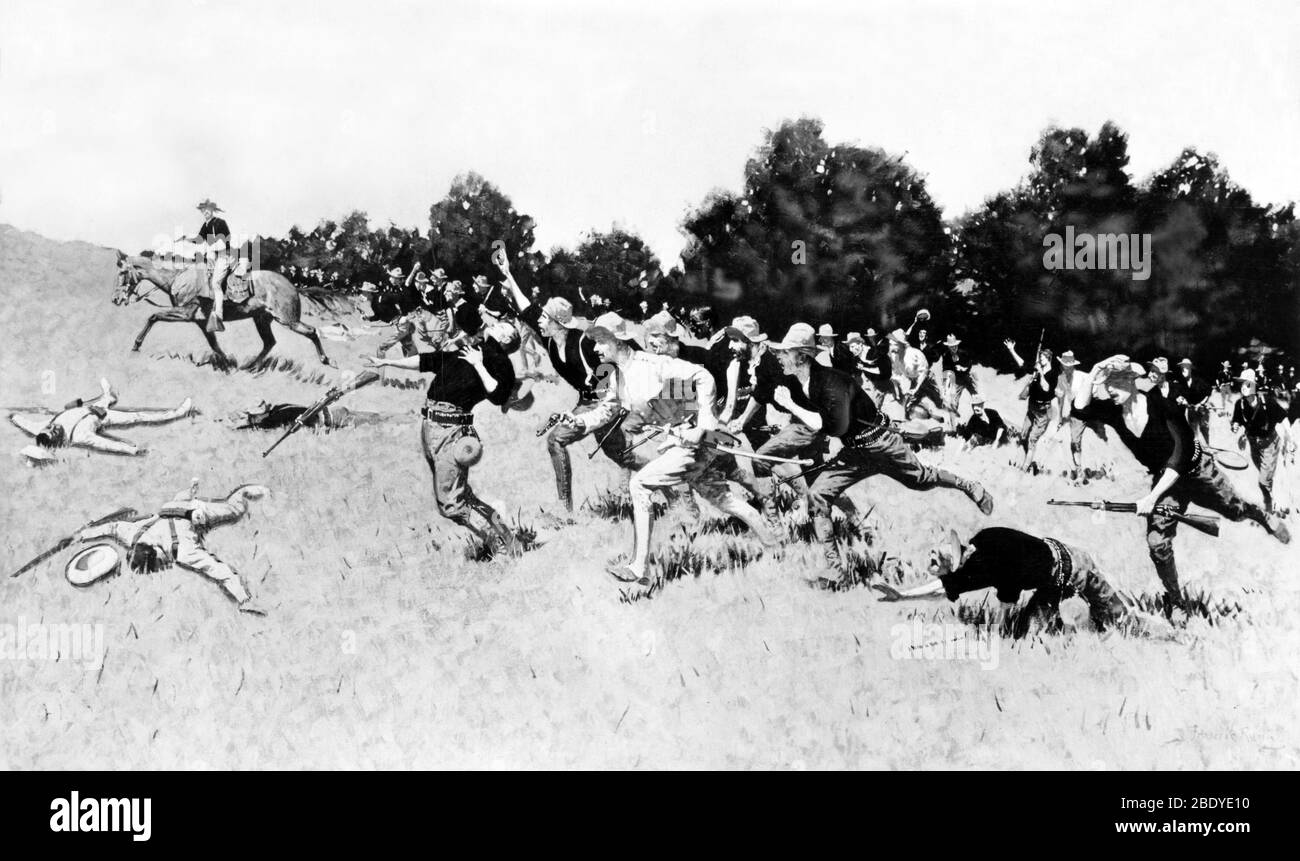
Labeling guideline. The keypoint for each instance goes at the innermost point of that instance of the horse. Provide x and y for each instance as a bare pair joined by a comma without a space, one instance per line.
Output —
189,291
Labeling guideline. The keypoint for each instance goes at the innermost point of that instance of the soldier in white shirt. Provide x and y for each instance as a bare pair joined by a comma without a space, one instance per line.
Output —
661,390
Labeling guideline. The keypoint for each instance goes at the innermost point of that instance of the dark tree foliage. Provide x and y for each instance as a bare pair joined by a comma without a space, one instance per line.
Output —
820,232
466,225
1223,271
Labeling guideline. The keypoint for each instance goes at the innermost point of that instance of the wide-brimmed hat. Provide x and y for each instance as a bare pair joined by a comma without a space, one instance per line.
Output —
977,401
561,311
951,341
1185,363
1248,376
610,326
1117,367
662,323
93,563
395,272
826,330
746,329
854,338
206,203
1067,359
800,337
898,335
871,332
1160,365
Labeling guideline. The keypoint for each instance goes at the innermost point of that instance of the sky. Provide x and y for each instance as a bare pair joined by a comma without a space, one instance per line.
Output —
116,118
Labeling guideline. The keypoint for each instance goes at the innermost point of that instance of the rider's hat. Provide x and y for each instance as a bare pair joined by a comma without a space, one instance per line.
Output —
206,203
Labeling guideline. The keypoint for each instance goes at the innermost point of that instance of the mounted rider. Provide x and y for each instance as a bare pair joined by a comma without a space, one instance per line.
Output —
215,234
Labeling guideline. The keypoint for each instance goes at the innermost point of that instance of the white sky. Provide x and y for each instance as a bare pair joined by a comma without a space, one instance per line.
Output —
117,117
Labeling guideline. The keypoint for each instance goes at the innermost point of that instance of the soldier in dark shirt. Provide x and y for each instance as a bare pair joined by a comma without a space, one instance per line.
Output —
1011,563
215,234
755,392
956,372
834,353
1157,434
1192,393
1038,392
573,356
984,427
1258,416
461,380
832,403
266,416
1223,384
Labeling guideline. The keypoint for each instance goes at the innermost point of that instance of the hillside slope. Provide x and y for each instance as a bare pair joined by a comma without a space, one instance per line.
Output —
385,648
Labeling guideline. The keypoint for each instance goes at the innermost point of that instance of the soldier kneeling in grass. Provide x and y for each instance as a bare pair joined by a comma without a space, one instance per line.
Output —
1012,562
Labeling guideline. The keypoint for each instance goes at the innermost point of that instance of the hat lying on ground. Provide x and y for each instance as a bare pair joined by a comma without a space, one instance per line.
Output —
93,563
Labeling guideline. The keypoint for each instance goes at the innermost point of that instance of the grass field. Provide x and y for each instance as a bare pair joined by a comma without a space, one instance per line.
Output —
385,648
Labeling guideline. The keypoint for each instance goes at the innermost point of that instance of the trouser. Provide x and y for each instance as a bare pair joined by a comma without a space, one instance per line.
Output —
1076,436
704,471
955,382
1199,419
87,430
1037,417
887,455
1205,485
1264,452
403,330
221,267
564,435
451,490
1075,574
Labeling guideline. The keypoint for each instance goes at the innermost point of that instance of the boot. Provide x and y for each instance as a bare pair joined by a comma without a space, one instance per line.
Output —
973,490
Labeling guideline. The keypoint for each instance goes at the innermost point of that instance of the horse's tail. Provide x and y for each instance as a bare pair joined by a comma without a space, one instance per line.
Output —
279,296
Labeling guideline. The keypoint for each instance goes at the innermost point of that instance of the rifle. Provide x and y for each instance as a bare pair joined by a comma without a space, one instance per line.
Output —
365,378
618,423
1207,523
120,514
739,452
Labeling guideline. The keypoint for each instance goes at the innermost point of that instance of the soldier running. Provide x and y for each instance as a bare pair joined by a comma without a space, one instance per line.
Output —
1038,393
662,389
461,381
573,356
1157,434
833,403
1257,416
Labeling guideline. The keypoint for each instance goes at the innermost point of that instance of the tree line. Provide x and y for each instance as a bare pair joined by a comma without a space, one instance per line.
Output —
850,235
